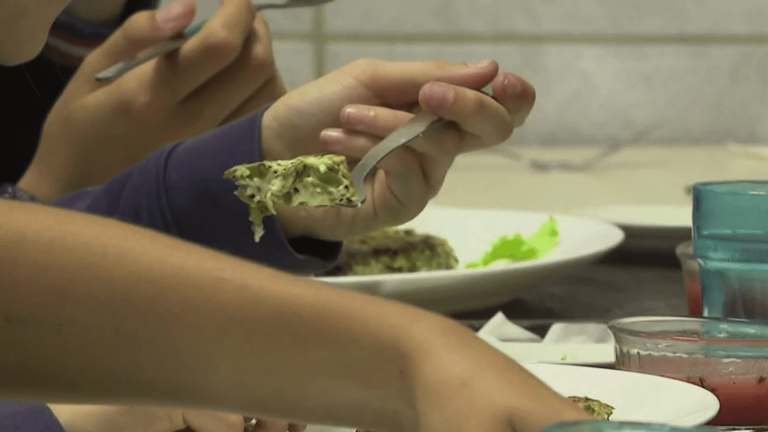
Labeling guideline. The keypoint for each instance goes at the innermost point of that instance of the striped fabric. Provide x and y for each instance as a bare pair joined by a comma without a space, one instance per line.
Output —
70,39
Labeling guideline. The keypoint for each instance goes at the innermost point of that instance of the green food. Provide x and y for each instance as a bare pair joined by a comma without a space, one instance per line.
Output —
394,250
597,409
516,248
316,181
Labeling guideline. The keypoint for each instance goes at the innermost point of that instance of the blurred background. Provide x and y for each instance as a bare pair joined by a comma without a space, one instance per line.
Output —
633,71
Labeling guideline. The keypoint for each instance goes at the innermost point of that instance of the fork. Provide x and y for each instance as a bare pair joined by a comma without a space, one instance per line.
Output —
116,70
417,126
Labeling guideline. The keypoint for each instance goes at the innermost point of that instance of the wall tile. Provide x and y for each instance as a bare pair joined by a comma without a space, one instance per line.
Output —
296,62
541,17
591,94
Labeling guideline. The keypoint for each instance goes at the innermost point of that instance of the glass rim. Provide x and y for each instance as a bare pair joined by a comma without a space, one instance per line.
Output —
722,186
745,330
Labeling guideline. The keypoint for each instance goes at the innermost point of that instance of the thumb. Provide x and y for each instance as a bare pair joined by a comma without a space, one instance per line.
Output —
399,83
141,31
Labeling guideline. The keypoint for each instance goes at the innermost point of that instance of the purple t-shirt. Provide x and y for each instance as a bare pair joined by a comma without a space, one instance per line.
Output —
180,190
25,417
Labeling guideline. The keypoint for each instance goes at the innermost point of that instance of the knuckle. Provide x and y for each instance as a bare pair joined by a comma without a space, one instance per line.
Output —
262,59
364,67
434,64
144,106
222,44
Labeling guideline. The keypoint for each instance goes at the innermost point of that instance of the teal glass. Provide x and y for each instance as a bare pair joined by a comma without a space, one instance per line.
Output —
610,426
730,242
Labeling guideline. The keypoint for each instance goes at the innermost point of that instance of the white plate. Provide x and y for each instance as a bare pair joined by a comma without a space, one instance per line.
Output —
635,397
647,227
471,232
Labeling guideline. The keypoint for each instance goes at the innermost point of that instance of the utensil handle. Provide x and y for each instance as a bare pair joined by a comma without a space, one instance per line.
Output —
193,29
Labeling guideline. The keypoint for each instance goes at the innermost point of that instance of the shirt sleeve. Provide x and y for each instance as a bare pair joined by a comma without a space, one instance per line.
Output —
71,39
181,190
27,418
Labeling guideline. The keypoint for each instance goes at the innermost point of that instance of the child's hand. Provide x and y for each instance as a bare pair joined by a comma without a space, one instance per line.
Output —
93,418
350,110
96,130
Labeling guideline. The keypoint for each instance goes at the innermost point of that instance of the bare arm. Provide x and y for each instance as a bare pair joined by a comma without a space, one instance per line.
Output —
96,311
97,11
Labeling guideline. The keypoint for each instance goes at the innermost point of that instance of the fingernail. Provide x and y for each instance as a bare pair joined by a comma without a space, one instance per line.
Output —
440,94
332,136
512,85
173,17
481,63
357,115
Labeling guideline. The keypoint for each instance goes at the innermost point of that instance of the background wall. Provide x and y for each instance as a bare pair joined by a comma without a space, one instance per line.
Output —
646,71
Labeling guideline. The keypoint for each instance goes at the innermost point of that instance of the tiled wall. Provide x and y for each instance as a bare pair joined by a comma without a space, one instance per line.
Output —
658,71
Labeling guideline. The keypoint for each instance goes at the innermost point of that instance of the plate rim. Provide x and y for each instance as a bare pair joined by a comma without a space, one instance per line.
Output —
711,396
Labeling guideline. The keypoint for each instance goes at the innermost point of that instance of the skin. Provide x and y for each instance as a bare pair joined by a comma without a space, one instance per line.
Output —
141,325
25,26
97,11
96,130
351,109
96,311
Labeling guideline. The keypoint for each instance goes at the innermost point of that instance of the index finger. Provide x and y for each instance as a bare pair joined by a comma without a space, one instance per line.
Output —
399,83
217,44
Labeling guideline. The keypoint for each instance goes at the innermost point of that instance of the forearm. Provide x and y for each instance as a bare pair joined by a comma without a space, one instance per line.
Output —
97,11
96,311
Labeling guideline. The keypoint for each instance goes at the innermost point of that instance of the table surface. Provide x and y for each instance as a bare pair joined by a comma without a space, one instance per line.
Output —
623,284
616,287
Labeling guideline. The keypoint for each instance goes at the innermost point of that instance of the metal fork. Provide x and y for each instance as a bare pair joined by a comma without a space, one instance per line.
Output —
116,70
414,128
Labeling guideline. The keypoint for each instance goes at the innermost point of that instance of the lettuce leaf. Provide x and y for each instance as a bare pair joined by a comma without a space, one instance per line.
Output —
516,248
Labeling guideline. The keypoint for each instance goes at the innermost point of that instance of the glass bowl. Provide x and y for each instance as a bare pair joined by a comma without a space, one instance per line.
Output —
727,357
691,280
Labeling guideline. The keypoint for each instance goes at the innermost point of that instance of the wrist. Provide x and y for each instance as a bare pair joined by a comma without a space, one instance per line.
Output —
271,147
46,185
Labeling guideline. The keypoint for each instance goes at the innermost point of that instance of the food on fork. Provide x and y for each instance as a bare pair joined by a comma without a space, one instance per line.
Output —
315,180
394,250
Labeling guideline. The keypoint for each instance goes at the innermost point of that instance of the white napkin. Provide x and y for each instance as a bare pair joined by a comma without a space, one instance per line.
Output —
580,343
585,333
501,329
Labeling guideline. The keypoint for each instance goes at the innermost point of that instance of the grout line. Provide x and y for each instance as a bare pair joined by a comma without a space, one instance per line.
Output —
293,36
319,40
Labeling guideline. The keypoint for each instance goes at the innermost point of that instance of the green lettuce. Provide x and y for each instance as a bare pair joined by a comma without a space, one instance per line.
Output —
517,248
